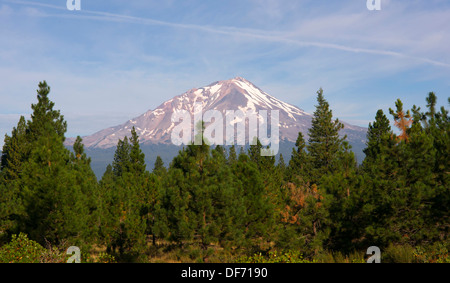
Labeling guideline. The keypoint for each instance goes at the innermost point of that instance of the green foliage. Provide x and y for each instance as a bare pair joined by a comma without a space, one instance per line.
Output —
275,257
339,257
123,192
398,254
159,168
210,204
299,168
46,187
121,161
21,250
324,142
437,253
106,258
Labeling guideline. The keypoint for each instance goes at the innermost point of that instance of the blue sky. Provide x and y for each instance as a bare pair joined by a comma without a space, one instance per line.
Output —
113,60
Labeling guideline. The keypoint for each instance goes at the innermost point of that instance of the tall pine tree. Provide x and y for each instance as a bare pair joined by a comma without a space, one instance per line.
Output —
324,141
54,202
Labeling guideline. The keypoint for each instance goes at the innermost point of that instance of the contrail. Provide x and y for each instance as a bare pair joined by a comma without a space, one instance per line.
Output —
231,31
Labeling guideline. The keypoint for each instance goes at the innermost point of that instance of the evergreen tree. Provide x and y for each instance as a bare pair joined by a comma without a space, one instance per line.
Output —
379,180
15,151
375,135
270,176
55,204
105,202
137,157
254,153
194,162
148,192
121,163
431,104
128,207
257,219
439,129
85,179
401,189
12,210
159,169
153,209
324,141
281,166
175,202
298,170
44,119
232,156
304,219
243,204
333,167
227,204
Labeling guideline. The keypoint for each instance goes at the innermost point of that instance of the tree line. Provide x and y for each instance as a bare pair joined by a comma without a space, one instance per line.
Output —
230,198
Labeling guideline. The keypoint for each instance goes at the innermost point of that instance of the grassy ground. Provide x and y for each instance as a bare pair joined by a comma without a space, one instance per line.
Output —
21,249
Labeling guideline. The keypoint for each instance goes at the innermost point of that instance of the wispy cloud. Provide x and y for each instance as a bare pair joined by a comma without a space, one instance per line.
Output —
264,35
122,58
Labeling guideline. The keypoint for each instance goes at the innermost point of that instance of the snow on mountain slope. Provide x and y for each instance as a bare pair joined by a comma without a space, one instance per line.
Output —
155,126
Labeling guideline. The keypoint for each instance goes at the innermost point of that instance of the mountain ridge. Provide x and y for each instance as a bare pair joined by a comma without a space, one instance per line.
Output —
155,126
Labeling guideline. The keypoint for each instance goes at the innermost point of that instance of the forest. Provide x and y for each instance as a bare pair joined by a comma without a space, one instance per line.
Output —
216,204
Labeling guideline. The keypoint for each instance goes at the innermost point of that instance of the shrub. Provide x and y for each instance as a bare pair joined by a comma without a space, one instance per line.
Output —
339,257
398,254
21,250
438,253
106,258
275,257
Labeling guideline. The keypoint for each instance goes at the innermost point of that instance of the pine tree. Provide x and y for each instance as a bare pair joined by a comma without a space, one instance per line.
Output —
401,194
254,153
175,203
298,170
402,120
258,219
137,157
45,120
12,209
271,177
423,213
439,129
194,161
86,180
333,168
128,208
232,156
14,154
15,151
304,219
431,104
105,202
411,210
121,163
159,169
153,209
281,165
324,141
376,135
227,205
54,203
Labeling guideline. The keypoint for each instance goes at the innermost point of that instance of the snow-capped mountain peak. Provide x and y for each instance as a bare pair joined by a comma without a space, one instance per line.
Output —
155,126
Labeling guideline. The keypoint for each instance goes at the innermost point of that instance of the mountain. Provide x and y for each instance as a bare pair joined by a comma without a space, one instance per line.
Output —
155,126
